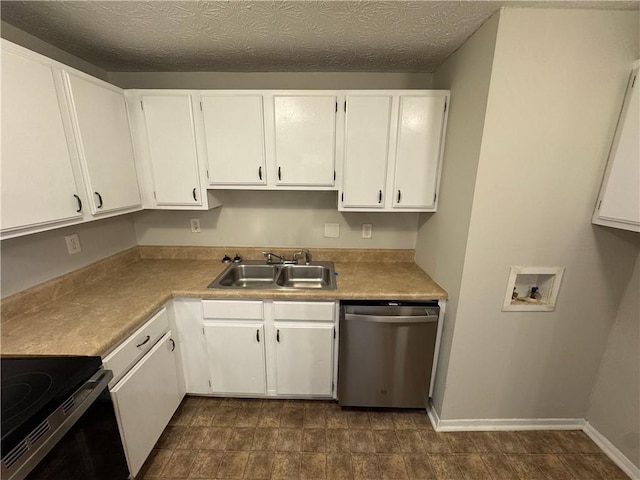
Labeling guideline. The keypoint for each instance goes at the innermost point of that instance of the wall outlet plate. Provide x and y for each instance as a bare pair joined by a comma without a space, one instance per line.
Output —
73,243
366,230
195,225
332,230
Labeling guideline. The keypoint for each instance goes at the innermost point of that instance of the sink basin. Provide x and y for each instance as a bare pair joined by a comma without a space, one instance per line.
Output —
304,276
248,276
257,275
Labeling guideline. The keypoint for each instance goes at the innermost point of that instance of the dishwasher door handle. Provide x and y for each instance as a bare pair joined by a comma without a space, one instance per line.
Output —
391,319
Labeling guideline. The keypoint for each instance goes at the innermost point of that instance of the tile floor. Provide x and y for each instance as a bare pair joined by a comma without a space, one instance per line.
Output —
214,438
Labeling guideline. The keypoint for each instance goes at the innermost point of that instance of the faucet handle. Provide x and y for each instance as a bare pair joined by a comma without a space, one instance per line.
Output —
307,256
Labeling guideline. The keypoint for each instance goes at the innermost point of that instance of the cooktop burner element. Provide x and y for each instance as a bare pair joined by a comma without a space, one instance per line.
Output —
33,387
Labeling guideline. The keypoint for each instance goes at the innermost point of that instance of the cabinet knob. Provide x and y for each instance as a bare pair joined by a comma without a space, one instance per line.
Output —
260,172
99,200
399,196
194,195
79,203
379,196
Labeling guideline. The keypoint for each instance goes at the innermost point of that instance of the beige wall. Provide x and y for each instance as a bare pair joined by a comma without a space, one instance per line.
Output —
442,237
274,80
15,35
269,218
556,88
614,409
32,259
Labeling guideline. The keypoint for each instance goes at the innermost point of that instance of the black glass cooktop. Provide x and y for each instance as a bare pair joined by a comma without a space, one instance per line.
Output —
33,387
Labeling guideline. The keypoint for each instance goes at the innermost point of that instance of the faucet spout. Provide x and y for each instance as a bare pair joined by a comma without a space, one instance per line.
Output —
304,252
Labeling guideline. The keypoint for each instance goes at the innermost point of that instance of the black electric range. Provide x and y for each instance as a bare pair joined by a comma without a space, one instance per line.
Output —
50,406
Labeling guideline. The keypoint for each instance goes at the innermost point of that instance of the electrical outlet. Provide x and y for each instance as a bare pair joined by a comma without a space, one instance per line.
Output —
332,230
73,243
366,230
195,225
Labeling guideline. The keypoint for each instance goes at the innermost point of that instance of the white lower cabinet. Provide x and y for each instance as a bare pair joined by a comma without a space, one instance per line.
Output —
236,357
263,348
304,359
148,394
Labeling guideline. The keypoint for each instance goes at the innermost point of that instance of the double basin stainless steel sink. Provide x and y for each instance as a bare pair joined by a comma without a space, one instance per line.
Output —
258,275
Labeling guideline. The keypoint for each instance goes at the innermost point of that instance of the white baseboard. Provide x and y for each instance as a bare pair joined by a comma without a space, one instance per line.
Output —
611,451
440,425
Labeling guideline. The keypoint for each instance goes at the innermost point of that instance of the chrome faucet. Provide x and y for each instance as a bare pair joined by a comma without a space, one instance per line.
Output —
270,256
307,256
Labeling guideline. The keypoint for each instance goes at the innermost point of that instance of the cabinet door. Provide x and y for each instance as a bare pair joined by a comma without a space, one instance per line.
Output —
106,151
234,130
38,185
236,357
420,128
305,139
193,349
304,354
619,202
366,151
146,399
172,148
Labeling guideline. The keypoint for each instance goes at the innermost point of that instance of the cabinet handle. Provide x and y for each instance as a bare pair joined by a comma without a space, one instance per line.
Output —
145,341
379,196
99,199
399,196
260,172
173,344
258,335
194,195
79,203
279,174
278,335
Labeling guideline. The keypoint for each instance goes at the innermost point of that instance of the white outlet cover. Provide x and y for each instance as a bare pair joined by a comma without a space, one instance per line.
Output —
195,225
73,243
332,230
366,230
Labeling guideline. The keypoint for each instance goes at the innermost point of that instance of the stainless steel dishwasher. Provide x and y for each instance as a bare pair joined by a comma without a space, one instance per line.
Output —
386,353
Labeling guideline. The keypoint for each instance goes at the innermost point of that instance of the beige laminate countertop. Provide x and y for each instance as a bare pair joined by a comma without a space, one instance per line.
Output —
98,316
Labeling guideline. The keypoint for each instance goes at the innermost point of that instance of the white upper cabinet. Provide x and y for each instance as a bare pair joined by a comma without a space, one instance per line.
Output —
104,143
38,183
393,150
366,150
619,200
421,121
234,132
172,149
304,142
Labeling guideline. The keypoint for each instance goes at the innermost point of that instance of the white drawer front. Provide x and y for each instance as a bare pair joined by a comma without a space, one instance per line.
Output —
128,352
232,309
324,311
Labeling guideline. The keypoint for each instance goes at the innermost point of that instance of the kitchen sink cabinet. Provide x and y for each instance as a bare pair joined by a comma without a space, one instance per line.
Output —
267,348
105,148
39,186
236,357
618,204
234,132
393,150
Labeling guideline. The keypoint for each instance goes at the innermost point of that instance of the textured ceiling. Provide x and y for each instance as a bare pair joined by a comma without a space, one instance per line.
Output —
392,36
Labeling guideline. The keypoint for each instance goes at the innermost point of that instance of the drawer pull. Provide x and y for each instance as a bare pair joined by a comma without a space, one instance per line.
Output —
278,335
145,341
258,335
173,344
